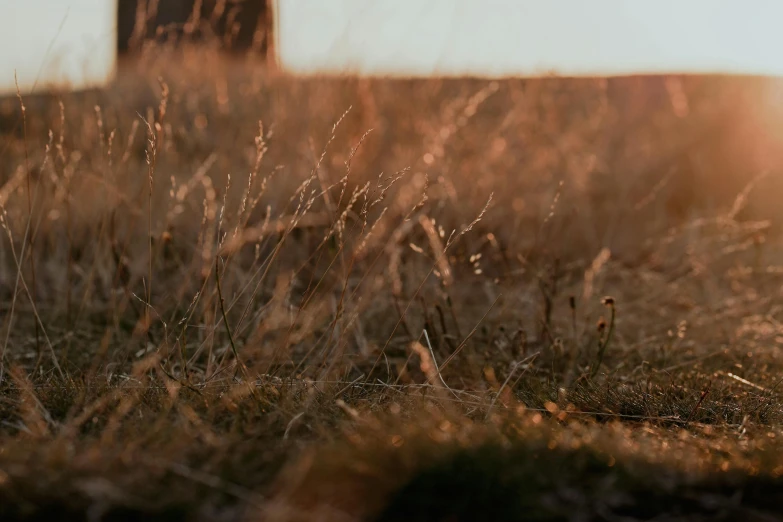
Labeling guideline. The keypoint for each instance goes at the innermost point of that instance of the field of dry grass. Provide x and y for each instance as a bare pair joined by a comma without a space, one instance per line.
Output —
227,294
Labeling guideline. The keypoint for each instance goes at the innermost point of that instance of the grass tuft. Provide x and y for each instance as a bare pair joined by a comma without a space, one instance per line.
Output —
301,319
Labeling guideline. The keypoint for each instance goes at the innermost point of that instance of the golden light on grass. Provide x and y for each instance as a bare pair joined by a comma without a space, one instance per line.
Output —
304,320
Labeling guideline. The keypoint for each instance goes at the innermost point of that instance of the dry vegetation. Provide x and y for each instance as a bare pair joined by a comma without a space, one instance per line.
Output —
228,294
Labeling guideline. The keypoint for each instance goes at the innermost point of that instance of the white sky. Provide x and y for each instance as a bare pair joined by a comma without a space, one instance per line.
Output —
73,41
69,42
528,37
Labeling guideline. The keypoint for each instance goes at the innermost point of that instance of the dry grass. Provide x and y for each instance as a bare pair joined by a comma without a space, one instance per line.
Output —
233,295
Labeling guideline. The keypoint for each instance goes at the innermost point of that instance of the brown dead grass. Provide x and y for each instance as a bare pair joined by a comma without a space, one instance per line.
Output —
235,271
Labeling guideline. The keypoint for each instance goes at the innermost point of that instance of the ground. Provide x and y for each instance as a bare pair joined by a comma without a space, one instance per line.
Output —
229,294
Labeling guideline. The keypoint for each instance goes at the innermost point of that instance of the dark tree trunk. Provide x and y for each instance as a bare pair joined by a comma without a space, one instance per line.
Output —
240,24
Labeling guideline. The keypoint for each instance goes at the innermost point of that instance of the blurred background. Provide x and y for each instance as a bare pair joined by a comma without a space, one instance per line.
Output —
76,41
672,108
